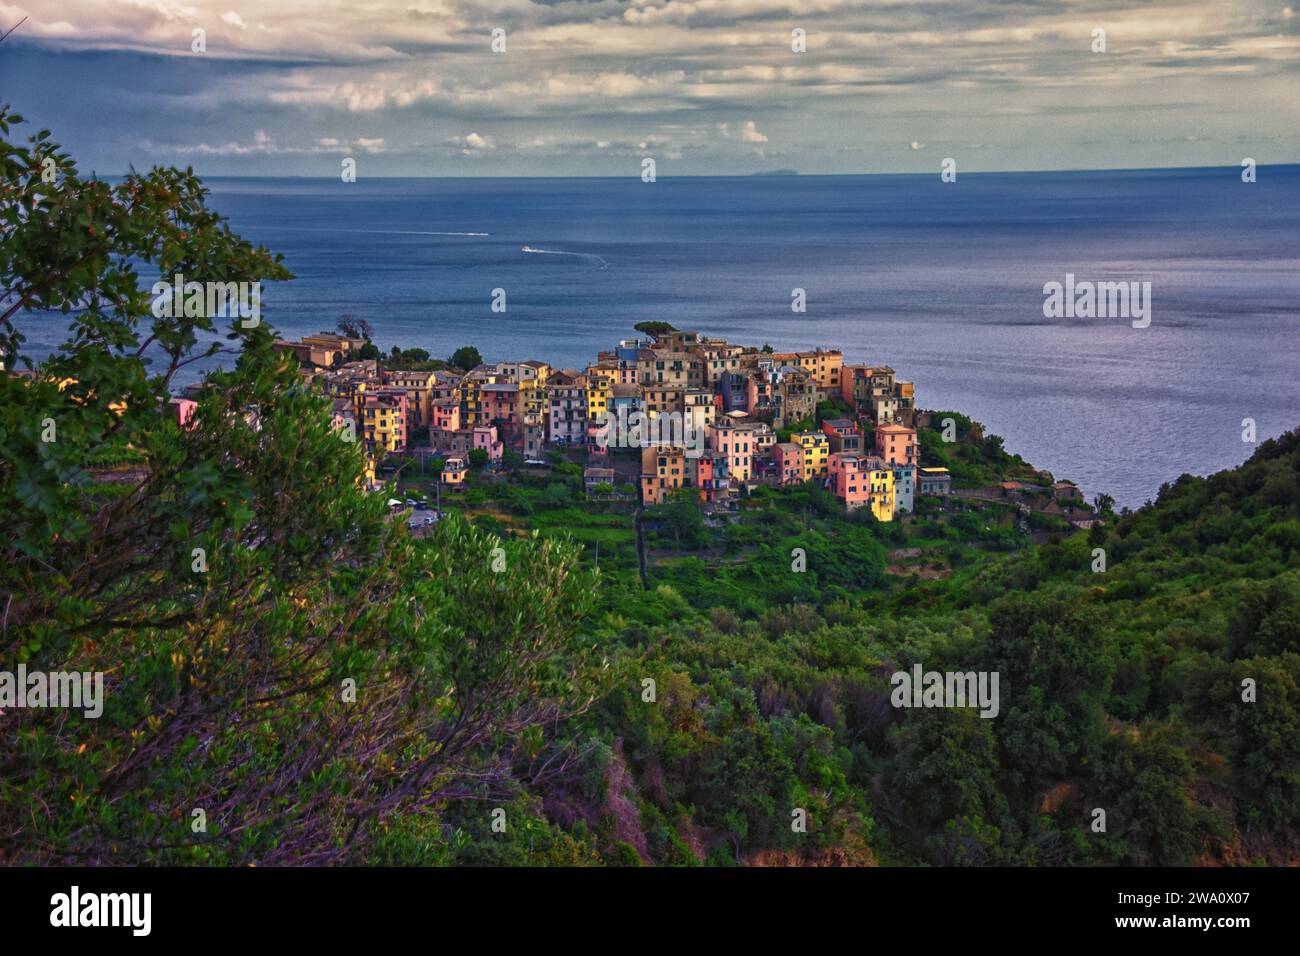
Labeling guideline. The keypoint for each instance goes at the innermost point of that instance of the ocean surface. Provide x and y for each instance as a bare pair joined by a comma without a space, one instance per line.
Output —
942,281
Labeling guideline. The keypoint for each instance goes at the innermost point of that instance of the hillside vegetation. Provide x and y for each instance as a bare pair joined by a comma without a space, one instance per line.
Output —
292,677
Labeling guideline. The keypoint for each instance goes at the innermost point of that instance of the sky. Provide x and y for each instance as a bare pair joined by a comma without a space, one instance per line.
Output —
705,87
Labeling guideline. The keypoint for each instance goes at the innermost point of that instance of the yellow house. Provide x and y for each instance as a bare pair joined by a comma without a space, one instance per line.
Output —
825,366
471,394
534,401
662,470
880,479
471,400
419,392
383,422
816,453
599,383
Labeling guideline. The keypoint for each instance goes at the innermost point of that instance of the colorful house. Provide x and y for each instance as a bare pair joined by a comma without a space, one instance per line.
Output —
419,393
662,471
485,437
600,382
789,463
896,443
384,421
863,481
843,435
737,443
712,478
454,471
446,415
816,453
824,365
181,410
499,403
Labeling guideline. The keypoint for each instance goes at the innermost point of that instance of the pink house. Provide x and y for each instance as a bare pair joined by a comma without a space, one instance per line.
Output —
500,402
897,444
850,479
789,463
446,415
181,410
485,437
737,443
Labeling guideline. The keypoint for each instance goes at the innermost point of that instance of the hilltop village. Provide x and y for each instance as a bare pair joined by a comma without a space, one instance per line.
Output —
755,408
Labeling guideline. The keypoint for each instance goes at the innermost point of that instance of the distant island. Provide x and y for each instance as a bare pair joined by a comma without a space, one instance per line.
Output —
777,172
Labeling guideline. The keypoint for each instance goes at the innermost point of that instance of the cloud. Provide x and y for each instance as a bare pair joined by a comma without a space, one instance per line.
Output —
263,144
747,133
715,80
473,143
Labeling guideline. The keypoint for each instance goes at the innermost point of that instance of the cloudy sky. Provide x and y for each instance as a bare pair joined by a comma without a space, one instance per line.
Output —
589,87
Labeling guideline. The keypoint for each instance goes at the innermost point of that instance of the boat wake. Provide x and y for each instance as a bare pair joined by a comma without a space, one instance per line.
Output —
598,262
383,232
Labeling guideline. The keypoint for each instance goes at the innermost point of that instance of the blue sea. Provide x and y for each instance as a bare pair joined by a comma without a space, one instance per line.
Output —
943,281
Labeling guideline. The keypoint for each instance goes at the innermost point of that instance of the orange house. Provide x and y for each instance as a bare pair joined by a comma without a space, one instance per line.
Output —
897,444
453,472
663,469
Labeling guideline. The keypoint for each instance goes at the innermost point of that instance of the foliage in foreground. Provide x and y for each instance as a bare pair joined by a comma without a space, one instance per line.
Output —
285,671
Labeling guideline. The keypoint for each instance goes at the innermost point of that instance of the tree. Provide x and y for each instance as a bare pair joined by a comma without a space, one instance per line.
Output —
681,515
354,328
511,461
275,651
466,357
654,328
478,457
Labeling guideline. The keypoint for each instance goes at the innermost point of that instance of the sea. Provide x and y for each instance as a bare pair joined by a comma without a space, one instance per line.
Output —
943,281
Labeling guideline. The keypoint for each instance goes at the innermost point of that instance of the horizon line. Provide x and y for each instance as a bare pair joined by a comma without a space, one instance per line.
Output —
762,174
